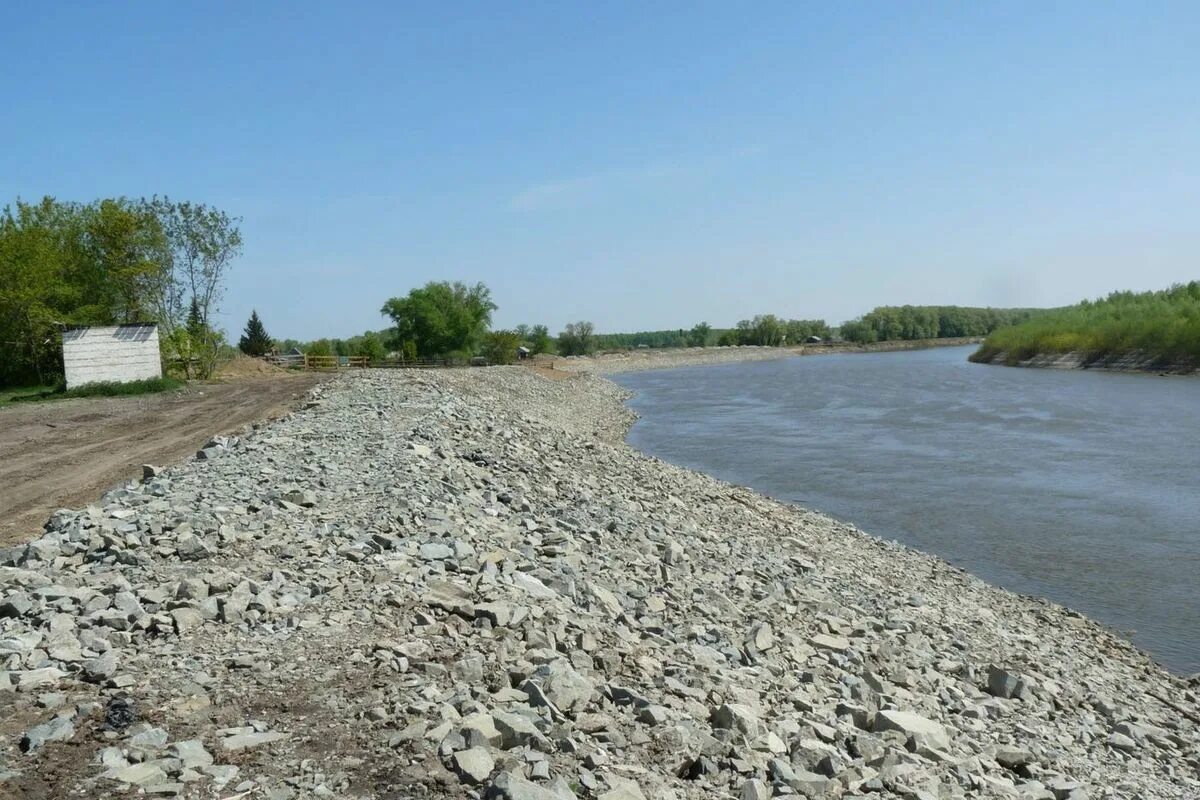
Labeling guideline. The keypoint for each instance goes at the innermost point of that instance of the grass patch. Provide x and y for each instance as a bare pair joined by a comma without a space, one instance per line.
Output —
19,392
98,389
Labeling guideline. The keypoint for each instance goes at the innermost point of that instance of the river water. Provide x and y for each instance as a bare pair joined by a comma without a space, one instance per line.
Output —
1082,487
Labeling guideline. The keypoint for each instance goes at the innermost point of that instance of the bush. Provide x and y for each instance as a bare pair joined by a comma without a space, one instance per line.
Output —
500,347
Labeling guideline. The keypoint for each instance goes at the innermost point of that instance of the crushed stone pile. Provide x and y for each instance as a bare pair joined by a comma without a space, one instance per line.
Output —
462,583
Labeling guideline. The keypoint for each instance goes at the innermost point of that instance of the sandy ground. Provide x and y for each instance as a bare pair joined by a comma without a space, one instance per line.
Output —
68,452
638,360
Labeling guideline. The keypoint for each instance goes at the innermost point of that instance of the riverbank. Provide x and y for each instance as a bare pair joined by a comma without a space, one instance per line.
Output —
1126,362
463,582
637,360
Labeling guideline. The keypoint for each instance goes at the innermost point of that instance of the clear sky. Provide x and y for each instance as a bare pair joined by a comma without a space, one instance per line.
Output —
640,165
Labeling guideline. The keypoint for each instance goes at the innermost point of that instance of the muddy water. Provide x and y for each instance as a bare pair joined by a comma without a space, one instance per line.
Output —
1082,487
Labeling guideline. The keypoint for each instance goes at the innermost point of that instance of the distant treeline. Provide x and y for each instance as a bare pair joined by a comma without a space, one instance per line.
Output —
1163,325
886,323
892,323
373,344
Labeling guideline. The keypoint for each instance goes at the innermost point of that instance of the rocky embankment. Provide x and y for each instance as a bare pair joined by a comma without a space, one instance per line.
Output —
638,360
1126,362
463,584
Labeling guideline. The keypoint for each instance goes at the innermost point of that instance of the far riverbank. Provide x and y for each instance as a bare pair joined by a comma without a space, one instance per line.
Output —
638,360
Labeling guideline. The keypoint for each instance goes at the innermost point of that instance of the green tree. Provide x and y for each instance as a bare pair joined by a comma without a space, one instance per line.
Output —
765,330
698,335
500,347
370,344
540,340
203,243
577,339
320,347
126,249
799,330
71,263
441,318
255,341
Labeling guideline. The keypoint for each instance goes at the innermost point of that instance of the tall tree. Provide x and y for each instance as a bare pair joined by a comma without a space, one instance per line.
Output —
577,339
203,242
539,339
441,318
255,341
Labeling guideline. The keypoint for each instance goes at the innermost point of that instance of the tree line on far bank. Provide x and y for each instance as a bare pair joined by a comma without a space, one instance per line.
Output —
893,323
453,321
108,262
1163,326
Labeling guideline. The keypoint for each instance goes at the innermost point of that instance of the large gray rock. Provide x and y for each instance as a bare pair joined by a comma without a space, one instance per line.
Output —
510,786
736,717
569,691
921,731
59,729
474,764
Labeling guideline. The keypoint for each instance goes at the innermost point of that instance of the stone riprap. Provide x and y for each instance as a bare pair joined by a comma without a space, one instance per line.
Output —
464,584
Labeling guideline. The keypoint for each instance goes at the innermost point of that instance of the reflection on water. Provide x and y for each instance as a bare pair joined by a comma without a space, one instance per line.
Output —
1082,487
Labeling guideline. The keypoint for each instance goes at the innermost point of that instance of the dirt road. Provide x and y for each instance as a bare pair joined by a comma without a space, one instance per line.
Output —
68,452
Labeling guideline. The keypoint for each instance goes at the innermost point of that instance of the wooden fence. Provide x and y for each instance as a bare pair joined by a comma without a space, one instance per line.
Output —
305,361
309,362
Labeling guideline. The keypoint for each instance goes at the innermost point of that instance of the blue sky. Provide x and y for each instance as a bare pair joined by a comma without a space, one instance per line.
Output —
638,165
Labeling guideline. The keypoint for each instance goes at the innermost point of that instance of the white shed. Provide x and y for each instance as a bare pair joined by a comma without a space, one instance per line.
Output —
117,353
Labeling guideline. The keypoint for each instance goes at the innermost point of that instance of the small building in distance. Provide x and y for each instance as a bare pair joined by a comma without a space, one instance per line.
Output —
111,353
522,353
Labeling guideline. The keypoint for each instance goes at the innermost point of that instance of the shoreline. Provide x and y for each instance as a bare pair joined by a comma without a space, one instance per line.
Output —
638,360
1127,363
428,582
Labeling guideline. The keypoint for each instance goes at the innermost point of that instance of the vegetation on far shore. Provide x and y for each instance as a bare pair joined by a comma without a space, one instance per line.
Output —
450,321
1163,326
907,323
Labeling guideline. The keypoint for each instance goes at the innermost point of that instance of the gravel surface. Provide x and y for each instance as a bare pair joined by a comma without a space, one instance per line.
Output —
66,452
462,583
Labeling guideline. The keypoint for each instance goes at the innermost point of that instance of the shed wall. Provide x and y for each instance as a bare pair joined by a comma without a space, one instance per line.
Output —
120,353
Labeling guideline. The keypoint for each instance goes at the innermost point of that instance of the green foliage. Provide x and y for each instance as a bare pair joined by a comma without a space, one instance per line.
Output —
577,339
370,344
202,242
500,347
651,339
540,340
321,347
727,339
1164,325
104,263
889,323
765,330
255,341
798,331
699,335
441,318
95,389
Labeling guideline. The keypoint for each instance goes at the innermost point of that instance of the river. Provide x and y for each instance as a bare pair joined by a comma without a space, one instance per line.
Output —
1081,487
